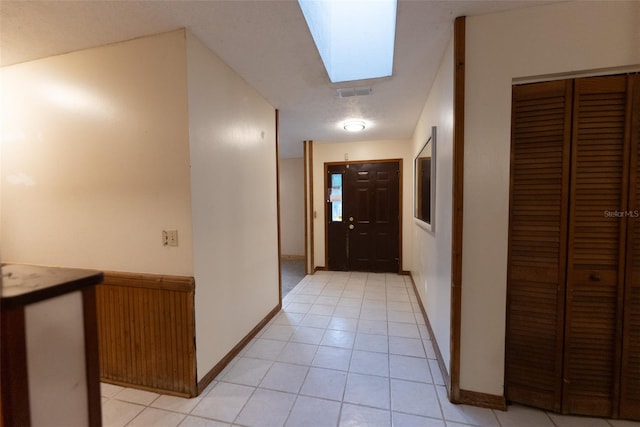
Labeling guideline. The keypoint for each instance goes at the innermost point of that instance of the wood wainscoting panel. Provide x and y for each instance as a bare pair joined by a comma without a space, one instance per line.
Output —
146,332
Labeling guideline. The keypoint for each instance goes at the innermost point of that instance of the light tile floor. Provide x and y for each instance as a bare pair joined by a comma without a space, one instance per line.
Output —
347,350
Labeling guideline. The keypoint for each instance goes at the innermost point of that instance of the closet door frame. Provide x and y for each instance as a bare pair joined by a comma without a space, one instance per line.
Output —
622,310
630,374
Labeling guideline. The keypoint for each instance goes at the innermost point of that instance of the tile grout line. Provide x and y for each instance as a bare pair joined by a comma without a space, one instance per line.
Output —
344,390
389,357
362,299
306,375
309,370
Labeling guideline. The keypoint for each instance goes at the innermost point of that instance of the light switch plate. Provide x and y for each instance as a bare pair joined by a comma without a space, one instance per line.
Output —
170,237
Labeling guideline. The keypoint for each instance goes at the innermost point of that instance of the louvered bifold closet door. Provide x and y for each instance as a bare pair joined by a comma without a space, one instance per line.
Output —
540,149
597,237
630,375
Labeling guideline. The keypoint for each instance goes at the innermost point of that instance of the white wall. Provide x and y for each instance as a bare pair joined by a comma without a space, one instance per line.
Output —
292,206
104,148
324,152
432,250
233,191
560,38
95,158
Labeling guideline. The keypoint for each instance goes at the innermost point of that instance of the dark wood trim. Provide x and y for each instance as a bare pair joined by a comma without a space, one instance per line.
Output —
618,371
406,273
320,268
311,212
15,387
215,371
457,208
357,162
92,355
400,213
400,190
441,363
483,400
150,281
277,118
307,270
325,211
629,406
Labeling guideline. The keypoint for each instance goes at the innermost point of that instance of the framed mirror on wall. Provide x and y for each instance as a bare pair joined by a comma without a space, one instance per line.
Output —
424,172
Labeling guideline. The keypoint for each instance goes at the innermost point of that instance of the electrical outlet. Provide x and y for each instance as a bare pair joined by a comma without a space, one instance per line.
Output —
170,237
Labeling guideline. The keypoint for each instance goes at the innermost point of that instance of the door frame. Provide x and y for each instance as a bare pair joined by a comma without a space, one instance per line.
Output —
326,212
307,159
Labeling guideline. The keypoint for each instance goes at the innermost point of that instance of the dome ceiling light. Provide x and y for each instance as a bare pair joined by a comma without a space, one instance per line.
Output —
354,126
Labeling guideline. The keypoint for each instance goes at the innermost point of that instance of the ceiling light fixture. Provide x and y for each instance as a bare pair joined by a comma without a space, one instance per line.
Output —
354,126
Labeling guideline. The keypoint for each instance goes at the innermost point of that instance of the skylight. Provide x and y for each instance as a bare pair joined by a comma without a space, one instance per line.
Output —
355,38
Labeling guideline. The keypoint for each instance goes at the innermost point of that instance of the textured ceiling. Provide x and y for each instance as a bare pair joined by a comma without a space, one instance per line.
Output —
266,42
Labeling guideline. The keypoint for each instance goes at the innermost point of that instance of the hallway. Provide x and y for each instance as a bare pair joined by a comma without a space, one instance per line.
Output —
292,271
348,350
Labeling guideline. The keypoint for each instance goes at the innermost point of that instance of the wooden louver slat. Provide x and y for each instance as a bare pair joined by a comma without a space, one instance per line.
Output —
541,116
597,230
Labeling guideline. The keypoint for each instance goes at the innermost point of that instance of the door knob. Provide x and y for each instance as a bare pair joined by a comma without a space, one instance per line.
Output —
351,218
351,227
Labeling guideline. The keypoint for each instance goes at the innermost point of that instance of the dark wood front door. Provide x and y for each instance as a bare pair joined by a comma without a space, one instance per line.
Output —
363,216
